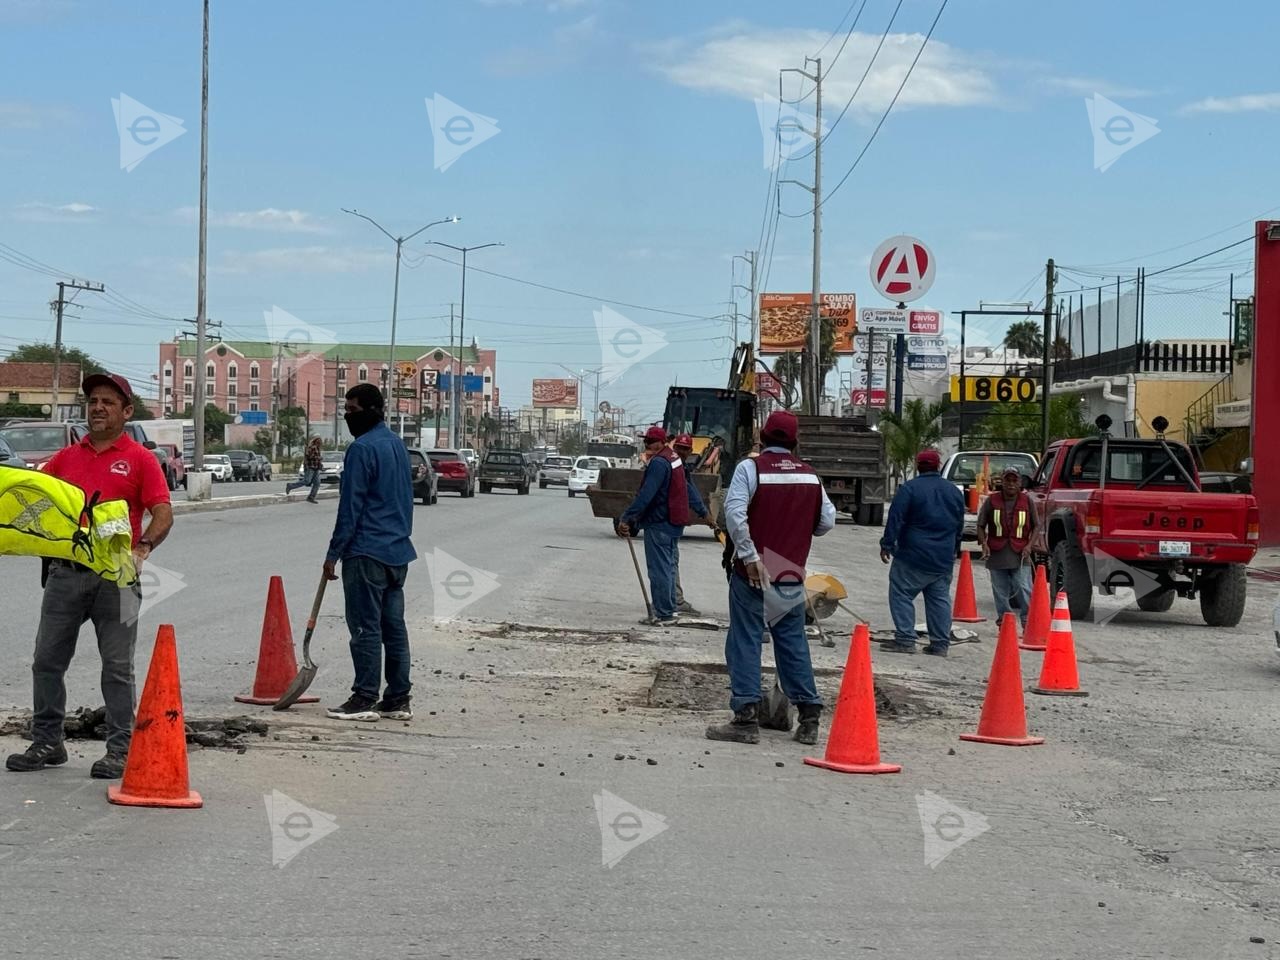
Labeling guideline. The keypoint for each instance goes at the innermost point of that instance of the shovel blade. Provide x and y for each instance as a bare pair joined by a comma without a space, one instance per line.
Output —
297,688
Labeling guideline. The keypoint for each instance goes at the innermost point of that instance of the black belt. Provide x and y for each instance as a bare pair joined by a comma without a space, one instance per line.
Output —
59,562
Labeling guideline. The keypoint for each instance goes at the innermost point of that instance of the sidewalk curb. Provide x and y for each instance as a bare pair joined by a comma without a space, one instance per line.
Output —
255,500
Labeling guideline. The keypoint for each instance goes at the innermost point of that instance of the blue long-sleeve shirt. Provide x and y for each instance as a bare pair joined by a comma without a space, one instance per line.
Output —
650,504
375,507
925,523
738,500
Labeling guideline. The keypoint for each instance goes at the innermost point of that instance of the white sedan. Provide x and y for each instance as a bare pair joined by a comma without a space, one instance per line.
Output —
586,471
219,465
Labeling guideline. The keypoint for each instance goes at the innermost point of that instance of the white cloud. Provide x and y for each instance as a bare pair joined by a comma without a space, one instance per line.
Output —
26,115
743,62
1087,86
269,218
54,212
1244,103
301,260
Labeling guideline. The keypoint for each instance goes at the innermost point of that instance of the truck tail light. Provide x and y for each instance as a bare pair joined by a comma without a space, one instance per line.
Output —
1092,524
1252,526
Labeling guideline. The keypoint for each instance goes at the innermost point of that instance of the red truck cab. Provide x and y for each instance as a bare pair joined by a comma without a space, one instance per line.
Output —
1143,523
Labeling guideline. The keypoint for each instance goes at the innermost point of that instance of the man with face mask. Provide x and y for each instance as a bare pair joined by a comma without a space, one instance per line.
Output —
371,538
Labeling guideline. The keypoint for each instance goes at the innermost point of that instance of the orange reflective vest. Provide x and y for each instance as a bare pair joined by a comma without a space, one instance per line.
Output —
1008,523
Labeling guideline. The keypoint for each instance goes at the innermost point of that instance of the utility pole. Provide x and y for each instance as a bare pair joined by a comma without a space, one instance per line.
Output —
198,396
1050,278
455,371
810,357
58,306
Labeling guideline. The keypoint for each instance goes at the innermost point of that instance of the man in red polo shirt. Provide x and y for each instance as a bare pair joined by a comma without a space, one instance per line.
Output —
111,464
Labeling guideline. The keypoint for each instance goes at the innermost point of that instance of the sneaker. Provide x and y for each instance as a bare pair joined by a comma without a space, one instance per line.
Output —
110,767
659,621
892,646
309,500
356,708
37,757
395,709
935,651
684,606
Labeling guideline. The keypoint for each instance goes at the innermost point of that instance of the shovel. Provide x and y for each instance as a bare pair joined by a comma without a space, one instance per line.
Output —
308,671
648,607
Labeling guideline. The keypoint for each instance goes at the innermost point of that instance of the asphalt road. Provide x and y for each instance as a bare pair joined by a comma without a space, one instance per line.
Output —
1144,827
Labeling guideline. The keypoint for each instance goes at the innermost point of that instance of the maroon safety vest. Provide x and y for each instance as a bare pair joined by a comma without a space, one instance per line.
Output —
782,515
677,492
1008,523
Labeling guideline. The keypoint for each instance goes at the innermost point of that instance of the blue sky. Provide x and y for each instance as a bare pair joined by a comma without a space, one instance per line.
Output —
628,164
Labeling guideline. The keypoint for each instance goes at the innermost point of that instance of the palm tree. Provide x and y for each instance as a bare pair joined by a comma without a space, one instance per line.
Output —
1026,337
906,434
1061,349
787,369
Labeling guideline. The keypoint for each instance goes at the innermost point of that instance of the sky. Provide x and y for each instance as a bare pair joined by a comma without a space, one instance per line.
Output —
627,167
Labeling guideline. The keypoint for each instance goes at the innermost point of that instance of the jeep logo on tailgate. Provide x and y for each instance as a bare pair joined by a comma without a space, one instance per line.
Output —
1181,523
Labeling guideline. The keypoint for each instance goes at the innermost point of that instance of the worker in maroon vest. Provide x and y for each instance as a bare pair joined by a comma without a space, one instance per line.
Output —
665,502
1005,523
774,508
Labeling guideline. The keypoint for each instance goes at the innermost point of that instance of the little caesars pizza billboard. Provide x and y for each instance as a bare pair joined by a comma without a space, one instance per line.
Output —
555,393
784,320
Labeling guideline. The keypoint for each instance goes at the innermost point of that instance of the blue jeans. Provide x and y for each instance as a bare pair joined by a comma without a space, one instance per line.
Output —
1012,591
660,558
742,647
309,478
905,584
374,593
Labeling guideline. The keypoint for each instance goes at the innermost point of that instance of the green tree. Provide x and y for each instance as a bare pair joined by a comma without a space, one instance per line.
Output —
571,445
43,353
1016,426
787,370
489,430
1025,336
141,411
215,422
292,423
262,442
1061,349
917,427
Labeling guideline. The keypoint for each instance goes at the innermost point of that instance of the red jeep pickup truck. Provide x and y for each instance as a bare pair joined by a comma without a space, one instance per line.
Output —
1143,523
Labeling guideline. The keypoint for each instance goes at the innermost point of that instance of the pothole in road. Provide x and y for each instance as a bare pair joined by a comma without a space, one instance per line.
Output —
705,687
524,631
86,724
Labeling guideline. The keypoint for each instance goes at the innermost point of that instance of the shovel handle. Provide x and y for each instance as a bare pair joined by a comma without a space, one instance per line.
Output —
648,607
315,606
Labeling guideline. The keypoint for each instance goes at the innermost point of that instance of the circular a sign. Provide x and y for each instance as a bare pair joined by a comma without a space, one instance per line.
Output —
238,419
902,269
604,406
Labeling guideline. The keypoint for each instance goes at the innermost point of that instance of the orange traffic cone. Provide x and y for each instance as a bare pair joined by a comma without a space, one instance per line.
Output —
973,498
965,608
1058,675
1035,636
853,746
155,775
1004,714
277,665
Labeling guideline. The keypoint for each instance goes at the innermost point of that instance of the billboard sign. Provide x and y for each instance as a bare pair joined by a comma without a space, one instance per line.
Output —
784,320
936,346
883,319
555,393
926,322
470,382
926,361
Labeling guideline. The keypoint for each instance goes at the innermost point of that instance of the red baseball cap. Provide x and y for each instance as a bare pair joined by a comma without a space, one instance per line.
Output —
929,458
120,384
782,426
683,440
655,433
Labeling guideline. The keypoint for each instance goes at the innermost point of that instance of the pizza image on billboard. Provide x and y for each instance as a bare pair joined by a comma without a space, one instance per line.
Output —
555,393
784,320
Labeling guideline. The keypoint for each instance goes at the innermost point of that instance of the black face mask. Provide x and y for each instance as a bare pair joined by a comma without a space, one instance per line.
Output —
362,421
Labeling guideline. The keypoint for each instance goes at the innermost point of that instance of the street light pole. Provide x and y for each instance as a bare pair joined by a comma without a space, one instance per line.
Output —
388,390
462,328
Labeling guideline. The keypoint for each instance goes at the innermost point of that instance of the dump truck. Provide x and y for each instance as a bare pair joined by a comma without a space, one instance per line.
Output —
848,456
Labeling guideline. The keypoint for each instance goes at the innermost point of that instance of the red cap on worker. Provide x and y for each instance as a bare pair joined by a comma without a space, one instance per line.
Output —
683,440
781,426
113,380
655,434
929,459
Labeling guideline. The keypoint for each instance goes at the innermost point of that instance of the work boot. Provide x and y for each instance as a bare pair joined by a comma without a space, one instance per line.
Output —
37,757
743,728
775,710
684,606
892,646
110,767
807,727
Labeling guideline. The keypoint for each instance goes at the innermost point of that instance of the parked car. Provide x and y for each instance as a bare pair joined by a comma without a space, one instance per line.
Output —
506,468
10,458
585,472
469,454
219,465
426,485
243,465
555,469
38,441
175,471
454,472
331,463
264,467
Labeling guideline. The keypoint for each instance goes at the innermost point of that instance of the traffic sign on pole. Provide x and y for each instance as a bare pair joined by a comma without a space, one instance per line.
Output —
902,269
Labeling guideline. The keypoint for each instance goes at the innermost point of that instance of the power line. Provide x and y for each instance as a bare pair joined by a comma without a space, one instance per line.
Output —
1155,273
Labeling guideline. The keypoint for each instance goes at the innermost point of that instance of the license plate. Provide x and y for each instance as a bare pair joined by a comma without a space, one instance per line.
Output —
1175,548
